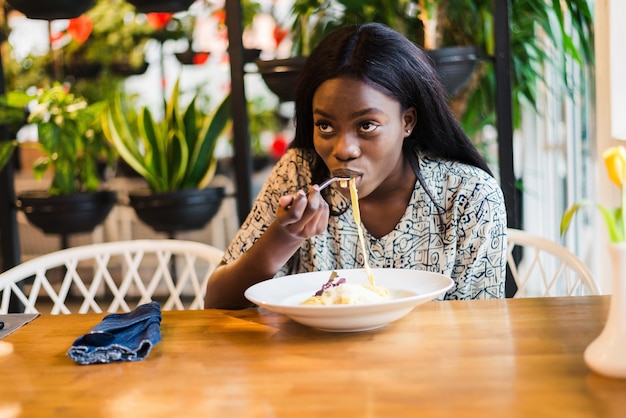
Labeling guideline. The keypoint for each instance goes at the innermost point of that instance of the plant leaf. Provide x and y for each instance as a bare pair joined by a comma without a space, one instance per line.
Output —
156,148
568,215
611,219
179,160
201,159
6,151
118,132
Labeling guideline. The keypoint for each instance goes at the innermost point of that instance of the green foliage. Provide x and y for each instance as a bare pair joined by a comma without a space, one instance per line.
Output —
469,22
314,19
615,219
118,35
612,218
260,119
69,137
175,153
6,152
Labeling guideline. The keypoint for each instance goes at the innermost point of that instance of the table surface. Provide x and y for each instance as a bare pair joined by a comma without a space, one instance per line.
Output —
513,357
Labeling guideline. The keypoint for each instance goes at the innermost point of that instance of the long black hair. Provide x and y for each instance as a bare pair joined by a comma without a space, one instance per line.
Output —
390,63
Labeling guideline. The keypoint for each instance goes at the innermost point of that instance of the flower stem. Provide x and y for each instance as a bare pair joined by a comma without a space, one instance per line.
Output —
623,210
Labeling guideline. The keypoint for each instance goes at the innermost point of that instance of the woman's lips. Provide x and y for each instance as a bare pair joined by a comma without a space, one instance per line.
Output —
350,174
346,173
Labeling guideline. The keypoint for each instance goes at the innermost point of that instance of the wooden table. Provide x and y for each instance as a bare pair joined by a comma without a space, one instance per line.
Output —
520,357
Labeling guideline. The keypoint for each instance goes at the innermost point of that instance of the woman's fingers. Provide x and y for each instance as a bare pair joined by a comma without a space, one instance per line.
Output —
303,215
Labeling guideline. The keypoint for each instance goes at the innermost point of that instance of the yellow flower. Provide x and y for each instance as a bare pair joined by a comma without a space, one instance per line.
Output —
615,160
615,219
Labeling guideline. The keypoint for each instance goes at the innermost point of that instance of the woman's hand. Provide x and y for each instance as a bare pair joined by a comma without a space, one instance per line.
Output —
302,215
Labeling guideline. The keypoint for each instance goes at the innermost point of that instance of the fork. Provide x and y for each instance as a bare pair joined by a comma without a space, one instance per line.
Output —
327,183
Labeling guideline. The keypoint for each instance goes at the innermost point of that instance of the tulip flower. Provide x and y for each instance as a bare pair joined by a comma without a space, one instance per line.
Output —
615,160
615,219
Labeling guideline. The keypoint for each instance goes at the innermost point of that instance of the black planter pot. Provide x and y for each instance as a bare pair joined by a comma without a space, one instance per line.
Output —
50,10
78,69
281,75
185,210
164,6
126,69
64,215
84,70
455,66
191,57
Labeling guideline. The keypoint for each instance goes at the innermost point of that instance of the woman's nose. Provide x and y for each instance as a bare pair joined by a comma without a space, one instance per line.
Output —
346,147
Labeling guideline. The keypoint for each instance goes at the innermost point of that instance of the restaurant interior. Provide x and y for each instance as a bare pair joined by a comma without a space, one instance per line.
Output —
537,87
546,154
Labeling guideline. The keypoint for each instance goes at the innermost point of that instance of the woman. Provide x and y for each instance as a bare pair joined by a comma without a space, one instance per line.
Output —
370,106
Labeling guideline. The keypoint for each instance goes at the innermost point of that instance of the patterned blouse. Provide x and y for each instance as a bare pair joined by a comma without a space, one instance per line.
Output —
467,243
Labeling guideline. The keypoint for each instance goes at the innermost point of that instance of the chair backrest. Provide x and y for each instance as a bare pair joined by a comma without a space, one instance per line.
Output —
112,277
546,268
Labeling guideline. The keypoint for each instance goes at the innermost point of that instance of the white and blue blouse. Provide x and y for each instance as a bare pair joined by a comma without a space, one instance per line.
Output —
467,242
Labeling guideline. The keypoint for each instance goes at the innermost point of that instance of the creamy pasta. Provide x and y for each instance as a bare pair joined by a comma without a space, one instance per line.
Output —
354,196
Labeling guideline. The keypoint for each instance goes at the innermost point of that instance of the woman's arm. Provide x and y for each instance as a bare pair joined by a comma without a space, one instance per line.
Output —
298,217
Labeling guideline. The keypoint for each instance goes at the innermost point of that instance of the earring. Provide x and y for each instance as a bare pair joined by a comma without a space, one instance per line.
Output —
408,131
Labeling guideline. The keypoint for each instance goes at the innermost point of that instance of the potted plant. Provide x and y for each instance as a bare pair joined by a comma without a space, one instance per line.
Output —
458,32
109,37
175,156
314,19
73,148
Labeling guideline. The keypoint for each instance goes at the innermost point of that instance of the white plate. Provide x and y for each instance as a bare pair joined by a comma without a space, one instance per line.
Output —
409,289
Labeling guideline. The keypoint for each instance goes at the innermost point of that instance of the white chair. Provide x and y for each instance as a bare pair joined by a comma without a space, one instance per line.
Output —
113,277
547,268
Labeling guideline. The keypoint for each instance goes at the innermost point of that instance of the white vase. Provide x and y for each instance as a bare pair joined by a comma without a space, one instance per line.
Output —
606,355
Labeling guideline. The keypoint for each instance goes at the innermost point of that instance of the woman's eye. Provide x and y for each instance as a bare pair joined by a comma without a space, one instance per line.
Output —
324,127
368,127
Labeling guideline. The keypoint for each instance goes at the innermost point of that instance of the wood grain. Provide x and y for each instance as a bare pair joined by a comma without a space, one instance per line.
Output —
514,357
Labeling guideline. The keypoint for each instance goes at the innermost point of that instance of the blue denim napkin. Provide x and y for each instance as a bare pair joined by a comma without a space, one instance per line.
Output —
120,337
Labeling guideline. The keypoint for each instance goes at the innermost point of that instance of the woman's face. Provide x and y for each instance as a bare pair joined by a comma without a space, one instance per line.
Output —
358,132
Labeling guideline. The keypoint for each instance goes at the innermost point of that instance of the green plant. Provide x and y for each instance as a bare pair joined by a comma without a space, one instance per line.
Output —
69,137
175,153
439,23
614,218
314,19
107,34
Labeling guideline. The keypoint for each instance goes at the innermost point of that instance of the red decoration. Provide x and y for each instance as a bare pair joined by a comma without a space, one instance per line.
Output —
56,37
80,28
158,20
279,146
280,34
200,58
220,15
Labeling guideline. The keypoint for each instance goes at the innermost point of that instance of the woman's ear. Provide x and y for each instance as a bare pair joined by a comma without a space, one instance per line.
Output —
409,118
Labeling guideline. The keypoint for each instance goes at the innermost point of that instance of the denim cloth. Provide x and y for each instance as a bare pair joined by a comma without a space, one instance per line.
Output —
120,337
